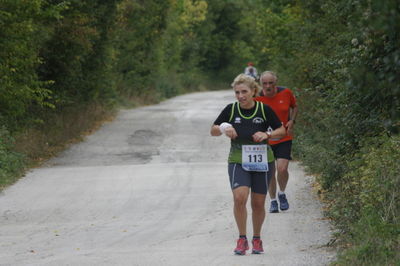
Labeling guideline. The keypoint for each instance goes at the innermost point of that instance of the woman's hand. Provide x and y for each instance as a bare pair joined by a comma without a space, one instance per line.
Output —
231,133
224,129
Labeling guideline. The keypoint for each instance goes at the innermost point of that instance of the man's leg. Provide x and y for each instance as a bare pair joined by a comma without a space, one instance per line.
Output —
283,177
272,186
283,173
272,192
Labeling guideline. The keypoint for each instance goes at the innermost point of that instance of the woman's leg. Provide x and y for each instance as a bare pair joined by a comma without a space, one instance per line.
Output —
258,215
240,196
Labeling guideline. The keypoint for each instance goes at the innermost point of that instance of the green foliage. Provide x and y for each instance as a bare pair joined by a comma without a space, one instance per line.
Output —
221,57
140,25
178,51
78,54
344,55
375,78
159,50
351,70
366,204
11,163
21,35
59,55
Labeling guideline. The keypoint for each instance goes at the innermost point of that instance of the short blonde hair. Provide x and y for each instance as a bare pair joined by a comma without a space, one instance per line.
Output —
248,81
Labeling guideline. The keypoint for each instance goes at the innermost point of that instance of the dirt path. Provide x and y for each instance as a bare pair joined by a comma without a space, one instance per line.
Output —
151,188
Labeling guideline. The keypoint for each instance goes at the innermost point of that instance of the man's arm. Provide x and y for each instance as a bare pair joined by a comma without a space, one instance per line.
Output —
290,123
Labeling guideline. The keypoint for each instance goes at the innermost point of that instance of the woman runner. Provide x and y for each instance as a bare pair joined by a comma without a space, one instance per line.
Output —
251,160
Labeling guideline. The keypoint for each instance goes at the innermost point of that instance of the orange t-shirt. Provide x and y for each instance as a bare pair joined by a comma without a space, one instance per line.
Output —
281,104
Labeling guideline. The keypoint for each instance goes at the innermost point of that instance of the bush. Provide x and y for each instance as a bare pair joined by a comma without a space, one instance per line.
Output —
367,204
11,163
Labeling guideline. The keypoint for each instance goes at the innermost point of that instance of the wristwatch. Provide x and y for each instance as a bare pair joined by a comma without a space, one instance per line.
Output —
269,134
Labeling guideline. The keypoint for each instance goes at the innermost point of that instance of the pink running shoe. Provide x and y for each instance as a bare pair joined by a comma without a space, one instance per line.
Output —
241,247
257,246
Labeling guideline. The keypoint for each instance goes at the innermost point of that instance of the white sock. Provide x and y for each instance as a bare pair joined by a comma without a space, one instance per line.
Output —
274,199
281,192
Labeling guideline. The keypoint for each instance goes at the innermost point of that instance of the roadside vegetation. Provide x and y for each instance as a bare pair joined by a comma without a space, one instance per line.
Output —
344,59
67,66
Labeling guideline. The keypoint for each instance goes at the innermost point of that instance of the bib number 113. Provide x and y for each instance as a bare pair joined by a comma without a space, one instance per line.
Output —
254,158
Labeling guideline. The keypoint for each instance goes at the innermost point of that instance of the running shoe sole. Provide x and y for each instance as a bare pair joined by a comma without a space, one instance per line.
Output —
257,252
241,253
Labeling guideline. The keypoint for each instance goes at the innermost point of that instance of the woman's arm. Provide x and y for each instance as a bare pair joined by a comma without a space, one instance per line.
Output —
220,124
224,128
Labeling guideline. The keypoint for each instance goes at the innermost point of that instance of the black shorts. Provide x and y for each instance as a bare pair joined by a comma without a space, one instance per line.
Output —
282,150
257,181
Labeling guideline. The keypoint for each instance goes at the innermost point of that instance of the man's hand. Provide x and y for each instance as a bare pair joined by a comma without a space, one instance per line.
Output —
260,136
289,127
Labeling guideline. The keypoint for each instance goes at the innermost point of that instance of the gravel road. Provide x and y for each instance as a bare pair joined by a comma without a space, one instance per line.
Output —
151,188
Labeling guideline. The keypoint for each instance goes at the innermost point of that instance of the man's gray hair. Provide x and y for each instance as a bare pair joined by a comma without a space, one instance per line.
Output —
269,73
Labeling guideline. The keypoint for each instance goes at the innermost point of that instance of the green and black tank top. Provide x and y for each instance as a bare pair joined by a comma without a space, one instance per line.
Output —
245,127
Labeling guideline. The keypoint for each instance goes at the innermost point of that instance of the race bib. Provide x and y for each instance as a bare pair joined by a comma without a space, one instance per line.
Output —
254,158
